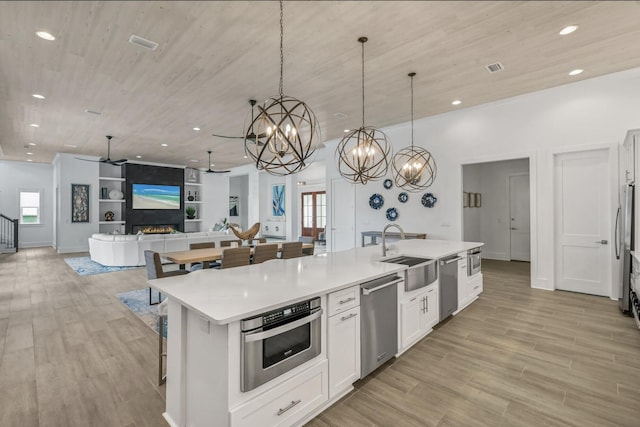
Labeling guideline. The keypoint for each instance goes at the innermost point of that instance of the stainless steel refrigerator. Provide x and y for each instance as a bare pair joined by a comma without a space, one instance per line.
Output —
625,222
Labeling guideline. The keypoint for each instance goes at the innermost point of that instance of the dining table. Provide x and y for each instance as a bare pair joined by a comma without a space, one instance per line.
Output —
207,255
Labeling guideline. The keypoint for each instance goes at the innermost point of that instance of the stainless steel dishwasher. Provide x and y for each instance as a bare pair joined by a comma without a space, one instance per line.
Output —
449,285
378,322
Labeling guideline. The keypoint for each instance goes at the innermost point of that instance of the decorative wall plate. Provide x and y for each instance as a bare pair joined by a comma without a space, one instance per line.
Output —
429,200
392,214
403,197
376,201
116,195
387,183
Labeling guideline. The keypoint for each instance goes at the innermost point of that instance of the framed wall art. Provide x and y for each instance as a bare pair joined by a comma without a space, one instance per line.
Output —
234,207
278,200
79,202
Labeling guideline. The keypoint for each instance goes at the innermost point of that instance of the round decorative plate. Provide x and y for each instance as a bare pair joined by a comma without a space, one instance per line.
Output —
392,214
403,197
116,195
387,183
429,200
376,201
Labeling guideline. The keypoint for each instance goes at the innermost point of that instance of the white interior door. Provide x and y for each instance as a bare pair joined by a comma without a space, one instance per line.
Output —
343,218
582,222
520,218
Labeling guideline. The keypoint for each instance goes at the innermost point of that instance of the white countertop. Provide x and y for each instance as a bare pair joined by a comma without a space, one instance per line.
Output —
225,296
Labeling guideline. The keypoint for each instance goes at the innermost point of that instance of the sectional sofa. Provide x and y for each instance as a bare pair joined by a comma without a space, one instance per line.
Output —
128,250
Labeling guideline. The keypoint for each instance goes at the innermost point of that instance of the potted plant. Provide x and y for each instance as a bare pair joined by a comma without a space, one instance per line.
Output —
191,212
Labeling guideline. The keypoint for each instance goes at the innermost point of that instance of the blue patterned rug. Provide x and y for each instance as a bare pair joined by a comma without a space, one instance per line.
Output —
138,302
85,267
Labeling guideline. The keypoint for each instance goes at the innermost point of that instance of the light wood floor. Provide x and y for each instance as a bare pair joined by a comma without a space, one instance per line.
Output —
73,355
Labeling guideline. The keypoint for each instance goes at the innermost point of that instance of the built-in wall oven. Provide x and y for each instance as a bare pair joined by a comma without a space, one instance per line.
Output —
474,261
278,341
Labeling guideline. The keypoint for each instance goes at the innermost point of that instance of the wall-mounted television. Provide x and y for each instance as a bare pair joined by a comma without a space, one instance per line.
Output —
152,196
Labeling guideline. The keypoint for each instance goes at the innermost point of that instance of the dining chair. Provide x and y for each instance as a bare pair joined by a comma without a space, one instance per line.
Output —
291,250
227,243
206,264
260,240
235,257
262,253
155,271
307,239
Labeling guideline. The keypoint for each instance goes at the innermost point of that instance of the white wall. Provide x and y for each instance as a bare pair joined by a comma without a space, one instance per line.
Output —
239,186
73,237
15,176
491,223
585,114
215,199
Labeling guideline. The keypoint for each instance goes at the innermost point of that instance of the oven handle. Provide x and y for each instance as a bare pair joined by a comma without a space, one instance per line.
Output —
258,336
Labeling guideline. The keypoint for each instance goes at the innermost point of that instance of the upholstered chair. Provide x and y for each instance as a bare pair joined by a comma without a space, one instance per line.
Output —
291,250
235,257
155,271
262,253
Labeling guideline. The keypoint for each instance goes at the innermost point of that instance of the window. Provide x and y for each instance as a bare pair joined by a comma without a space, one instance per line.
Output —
314,213
29,207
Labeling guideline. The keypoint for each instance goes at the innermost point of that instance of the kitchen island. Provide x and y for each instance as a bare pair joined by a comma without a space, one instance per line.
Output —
205,342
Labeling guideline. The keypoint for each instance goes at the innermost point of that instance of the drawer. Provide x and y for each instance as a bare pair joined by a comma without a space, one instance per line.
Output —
343,300
475,284
287,403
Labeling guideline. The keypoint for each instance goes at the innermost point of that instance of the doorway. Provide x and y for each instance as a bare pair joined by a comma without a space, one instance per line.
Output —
314,213
519,217
343,211
582,205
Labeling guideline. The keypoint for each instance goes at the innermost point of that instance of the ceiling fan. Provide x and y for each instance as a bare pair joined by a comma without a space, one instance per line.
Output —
252,136
209,170
108,159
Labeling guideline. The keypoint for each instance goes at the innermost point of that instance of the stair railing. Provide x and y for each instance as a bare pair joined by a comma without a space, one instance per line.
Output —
9,232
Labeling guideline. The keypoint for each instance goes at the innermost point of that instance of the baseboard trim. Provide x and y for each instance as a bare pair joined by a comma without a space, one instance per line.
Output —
498,256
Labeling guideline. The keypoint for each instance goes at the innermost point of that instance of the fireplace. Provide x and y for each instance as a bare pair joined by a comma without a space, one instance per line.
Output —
154,229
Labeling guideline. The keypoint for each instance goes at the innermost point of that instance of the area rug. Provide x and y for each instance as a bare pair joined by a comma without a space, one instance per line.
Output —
138,302
84,266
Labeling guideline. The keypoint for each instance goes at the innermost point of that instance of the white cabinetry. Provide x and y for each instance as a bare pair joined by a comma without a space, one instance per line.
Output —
469,289
629,153
343,345
193,200
111,210
419,312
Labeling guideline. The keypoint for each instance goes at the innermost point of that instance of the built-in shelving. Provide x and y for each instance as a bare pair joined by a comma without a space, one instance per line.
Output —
193,188
111,179
110,222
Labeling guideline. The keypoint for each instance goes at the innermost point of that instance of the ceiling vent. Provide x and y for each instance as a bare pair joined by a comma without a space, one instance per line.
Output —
96,113
142,42
494,68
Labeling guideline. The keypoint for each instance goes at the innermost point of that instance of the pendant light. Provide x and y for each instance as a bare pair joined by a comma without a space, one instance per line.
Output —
414,168
363,154
288,129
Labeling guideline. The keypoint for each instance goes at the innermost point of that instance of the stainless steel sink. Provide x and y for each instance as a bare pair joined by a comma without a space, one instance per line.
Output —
421,272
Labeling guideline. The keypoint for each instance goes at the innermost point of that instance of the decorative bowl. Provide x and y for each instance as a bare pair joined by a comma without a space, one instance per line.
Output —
376,201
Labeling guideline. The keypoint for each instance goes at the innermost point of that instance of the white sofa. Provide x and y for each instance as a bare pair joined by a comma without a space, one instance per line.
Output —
128,250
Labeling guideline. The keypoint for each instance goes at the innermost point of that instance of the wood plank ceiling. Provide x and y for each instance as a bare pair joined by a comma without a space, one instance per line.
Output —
214,56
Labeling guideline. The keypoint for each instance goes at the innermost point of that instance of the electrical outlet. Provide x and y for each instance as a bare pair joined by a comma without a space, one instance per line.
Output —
204,324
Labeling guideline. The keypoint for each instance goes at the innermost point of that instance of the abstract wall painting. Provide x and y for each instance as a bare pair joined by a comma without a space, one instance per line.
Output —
278,200
79,203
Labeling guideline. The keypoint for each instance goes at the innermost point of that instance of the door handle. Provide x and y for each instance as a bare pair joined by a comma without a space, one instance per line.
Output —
602,242
513,228
616,232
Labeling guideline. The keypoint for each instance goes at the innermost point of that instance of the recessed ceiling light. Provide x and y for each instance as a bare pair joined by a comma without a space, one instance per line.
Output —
34,125
245,156
142,42
346,130
456,102
29,160
29,153
37,95
568,30
32,144
70,145
45,35
575,72
165,145
138,157
194,161
213,164
196,129
340,115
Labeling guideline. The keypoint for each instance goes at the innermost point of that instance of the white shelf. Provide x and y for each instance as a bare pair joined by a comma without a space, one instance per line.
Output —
194,202
112,200
110,222
193,184
193,220
108,178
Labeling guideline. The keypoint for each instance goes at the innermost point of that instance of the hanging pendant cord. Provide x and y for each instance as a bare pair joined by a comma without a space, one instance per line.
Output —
281,47
362,84
411,111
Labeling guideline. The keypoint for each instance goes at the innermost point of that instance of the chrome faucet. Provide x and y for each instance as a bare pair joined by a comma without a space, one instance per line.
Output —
384,237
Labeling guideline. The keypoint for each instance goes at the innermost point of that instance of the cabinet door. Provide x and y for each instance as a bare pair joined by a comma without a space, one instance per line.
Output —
344,350
410,319
475,285
463,289
431,313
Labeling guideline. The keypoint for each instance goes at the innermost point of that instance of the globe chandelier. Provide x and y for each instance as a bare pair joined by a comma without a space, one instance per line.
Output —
281,138
363,154
414,168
